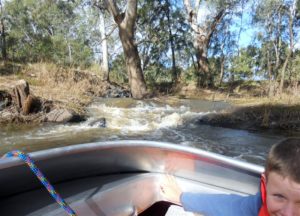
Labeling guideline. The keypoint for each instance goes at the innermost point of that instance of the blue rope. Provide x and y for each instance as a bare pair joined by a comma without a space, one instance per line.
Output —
24,157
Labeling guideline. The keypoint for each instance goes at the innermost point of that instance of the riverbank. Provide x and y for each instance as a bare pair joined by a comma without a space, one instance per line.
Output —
276,117
251,109
64,94
61,94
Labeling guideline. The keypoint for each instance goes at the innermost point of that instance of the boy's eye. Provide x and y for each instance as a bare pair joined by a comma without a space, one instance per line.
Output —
278,196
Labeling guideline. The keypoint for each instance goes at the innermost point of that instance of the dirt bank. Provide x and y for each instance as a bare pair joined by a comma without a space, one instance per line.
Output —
54,94
251,109
257,117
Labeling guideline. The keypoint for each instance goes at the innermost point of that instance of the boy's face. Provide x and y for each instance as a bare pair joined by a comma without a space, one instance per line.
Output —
283,196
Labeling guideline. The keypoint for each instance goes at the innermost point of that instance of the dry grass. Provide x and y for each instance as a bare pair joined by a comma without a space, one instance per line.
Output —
72,87
51,82
253,97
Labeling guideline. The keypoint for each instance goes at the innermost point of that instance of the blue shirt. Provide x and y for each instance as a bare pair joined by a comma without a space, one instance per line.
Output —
221,204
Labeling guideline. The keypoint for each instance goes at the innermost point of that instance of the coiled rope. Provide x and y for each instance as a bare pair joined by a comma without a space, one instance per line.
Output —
42,178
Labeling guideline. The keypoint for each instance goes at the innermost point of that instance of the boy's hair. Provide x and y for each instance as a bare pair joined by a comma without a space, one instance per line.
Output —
284,159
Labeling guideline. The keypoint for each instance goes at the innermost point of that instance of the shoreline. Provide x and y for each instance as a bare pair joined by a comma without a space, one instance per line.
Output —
260,118
65,100
255,118
30,100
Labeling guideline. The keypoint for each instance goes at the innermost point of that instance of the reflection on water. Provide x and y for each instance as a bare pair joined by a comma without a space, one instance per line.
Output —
170,121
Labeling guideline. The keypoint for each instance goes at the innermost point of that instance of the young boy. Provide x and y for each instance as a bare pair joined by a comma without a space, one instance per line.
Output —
279,195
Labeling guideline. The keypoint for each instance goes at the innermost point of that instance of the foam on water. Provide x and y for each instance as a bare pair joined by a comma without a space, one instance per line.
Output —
142,117
146,120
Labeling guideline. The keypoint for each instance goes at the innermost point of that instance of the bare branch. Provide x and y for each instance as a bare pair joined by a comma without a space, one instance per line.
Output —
215,22
109,33
114,10
131,13
197,5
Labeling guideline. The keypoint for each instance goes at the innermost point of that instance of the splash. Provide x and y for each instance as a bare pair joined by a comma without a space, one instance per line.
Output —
142,117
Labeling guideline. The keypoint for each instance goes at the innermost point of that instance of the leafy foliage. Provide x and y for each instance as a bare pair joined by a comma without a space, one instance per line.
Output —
45,31
67,32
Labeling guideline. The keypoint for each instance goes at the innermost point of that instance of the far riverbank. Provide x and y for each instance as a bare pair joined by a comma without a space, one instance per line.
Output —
63,95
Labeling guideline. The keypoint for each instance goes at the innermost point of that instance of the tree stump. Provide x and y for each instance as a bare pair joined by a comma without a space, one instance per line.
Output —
28,105
20,94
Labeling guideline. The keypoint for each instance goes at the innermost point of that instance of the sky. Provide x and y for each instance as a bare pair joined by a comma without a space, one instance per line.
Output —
249,31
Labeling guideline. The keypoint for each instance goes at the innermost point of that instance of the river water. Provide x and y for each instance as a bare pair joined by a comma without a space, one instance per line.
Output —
170,120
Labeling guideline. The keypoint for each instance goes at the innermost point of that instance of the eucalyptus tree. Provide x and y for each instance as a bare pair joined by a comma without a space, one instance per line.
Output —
126,21
161,31
268,14
176,28
45,31
152,39
167,10
290,8
105,67
244,63
102,22
204,17
278,21
223,48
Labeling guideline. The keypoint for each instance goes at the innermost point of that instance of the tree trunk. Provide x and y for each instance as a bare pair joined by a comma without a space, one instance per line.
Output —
278,43
3,41
202,36
202,62
3,35
104,62
171,40
291,47
200,42
281,85
126,24
222,69
270,72
133,64
70,53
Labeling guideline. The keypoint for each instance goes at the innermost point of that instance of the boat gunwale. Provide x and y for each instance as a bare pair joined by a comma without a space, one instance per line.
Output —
82,148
